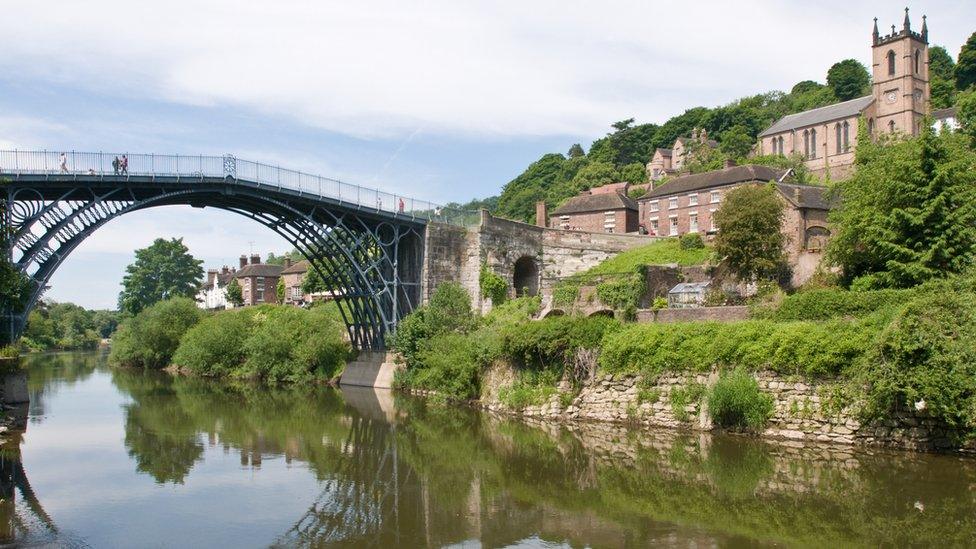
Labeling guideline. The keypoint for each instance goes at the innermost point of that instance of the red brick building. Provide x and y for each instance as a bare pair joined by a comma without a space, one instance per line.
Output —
605,209
259,281
687,204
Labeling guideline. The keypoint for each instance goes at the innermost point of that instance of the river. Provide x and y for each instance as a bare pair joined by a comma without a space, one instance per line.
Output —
116,458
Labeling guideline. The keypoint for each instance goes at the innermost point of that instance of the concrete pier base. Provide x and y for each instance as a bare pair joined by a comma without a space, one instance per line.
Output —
370,369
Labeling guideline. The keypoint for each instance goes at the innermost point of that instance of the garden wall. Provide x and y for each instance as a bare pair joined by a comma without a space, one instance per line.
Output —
698,314
804,411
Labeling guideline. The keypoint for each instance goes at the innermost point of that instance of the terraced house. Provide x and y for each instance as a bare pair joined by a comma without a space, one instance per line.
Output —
259,281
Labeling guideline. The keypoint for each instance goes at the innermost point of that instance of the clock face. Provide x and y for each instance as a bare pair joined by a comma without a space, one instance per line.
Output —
891,96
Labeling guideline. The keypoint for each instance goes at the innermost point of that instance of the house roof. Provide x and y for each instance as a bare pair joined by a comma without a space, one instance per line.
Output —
664,152
298,267
715,178
942,114
836,111
259,269
805,196
596,203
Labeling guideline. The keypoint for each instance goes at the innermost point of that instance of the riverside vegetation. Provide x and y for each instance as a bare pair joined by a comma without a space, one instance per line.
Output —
269,343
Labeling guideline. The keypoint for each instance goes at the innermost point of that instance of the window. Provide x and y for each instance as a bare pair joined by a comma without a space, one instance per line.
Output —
693,222
655,205
693,199
296,292
780,140
870,126
260,283
673,225
847,136
806,143
891,63
813,143
655,227
891,126
918,64
715,197
609,221
711,224
672,203
840,143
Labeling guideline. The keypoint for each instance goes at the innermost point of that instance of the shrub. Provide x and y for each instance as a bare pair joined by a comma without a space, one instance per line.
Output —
449,365
449,310
215,346
514,310
622,293
492,286
735,401
150,338
660,303
691,241
530,388
10,351
551,342
681,397
826,304
292,344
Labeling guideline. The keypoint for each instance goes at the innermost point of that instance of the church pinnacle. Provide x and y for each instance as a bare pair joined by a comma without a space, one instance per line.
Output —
908,24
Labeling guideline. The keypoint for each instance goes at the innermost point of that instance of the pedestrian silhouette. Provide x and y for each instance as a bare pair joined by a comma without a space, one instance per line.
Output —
64,163
115,165
125,165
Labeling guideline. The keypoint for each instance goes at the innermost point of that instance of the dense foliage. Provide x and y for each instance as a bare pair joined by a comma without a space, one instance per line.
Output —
62,326
908,213
749,237
492,285
849,79
965,69
150,338
235,294
736,401
163,270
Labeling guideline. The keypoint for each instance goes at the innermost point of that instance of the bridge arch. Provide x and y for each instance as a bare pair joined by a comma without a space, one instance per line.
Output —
371,256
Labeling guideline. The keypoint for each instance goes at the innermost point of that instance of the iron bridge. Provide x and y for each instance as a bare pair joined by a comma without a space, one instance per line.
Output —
367,244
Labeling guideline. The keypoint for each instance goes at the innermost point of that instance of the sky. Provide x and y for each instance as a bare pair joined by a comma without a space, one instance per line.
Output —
441,100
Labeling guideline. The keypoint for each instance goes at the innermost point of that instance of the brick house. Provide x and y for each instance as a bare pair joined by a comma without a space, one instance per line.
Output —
665,162
293,276
605,209
259,281
687,204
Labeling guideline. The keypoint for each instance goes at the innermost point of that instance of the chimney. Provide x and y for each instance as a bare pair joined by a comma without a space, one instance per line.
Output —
541,214
730,163
225,270
255,259
287,262
243,261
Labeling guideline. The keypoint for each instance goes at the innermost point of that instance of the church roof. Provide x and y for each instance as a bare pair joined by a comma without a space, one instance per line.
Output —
596,203
836,111
715,178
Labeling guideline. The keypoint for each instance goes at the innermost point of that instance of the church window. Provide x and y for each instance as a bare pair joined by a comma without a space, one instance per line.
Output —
870,126
813,143
891,63
918,58
839,147
806,143
847,136
891,126
780,141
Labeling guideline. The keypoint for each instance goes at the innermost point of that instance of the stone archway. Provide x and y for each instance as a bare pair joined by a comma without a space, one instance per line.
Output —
525,276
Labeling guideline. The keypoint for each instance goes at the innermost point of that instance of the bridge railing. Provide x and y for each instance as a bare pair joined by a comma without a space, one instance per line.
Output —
227,166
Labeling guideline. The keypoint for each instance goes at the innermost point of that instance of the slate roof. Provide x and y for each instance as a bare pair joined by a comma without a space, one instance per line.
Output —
836,111
942,114
260,269
297,267
715,178
805,196
665,152
596,203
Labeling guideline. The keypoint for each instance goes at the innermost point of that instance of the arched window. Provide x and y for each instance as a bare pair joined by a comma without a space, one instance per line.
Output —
918,62
891,62
813,143
891,126
847,136
780,140
840,146
806,143
870,126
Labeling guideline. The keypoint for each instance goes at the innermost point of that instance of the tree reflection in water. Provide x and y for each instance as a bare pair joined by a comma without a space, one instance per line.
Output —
399,471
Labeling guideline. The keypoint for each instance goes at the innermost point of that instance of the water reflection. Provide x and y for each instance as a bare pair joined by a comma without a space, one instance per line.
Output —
396,471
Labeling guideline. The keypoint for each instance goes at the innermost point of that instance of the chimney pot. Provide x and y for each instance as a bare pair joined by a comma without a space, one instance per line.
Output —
255,259
287,262
243,261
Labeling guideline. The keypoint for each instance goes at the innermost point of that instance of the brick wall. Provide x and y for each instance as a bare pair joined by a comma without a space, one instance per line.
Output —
622,221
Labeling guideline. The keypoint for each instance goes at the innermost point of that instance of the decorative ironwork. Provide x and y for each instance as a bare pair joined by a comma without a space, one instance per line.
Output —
371,256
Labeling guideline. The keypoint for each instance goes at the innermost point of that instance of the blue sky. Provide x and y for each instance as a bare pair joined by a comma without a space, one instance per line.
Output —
441,100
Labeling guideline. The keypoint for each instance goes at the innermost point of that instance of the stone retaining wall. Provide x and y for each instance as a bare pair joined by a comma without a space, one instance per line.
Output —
696,314
804,411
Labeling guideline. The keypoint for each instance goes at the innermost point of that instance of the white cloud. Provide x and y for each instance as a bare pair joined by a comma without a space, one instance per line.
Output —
486,69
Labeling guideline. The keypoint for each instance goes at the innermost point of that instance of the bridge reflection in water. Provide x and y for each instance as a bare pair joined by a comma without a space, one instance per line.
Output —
396,471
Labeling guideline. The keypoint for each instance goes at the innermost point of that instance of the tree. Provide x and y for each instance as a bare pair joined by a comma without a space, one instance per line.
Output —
595,174
941,77
805,86
575,151
965,70
280,290
312,283
736,142
749,236
634,173
162,271
966,114
848,79
235,295
907,214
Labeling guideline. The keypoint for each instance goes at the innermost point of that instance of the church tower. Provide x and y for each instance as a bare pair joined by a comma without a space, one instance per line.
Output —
900,79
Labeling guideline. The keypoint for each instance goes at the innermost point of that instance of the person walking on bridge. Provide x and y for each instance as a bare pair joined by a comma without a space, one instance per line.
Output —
125,165
64,163
116,163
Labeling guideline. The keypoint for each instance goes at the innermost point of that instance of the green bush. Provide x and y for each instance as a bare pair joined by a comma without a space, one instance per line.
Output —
514,310
150,338
449,365
492,285
926,358
622,293
681,397
831,303
551,342
530,388
691,241
292,344
215,346
449,310
735,401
